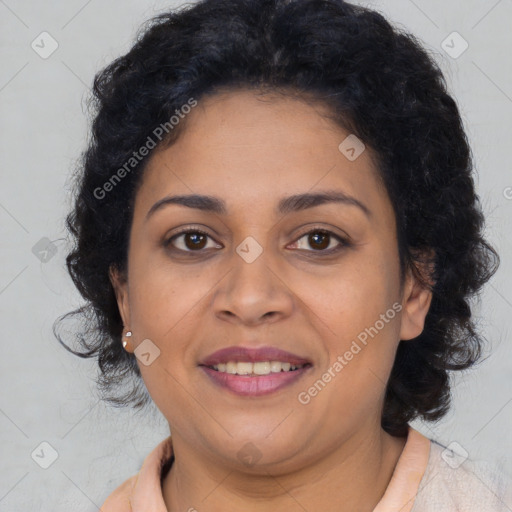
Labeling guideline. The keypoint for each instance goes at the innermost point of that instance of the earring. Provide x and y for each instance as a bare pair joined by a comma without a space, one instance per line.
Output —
125,342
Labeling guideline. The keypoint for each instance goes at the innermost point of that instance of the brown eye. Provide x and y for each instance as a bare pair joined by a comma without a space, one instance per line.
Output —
189,241
320,241
194,240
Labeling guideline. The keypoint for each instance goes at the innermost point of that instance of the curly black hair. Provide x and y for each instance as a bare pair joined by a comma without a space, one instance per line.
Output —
378,83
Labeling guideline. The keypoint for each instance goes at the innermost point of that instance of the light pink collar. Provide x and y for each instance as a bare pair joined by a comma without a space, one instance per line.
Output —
143,491
407,475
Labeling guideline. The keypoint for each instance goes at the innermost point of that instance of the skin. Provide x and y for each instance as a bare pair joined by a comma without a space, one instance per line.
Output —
251,151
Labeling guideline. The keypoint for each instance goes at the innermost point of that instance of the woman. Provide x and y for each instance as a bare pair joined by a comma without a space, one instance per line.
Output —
277,234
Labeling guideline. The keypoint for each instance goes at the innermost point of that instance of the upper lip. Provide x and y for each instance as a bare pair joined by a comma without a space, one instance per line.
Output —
252,355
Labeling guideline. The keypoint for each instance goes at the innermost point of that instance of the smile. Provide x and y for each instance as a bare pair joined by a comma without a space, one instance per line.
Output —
255,369
250,371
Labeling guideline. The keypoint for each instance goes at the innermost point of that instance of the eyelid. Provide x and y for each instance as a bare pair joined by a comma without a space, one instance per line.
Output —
330,231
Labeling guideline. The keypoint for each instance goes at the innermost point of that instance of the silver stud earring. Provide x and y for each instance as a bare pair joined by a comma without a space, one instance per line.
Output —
127,335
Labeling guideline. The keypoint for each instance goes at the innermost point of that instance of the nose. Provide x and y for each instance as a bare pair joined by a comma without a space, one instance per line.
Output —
254,292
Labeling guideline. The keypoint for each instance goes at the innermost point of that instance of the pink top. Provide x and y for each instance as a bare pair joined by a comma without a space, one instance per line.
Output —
143,492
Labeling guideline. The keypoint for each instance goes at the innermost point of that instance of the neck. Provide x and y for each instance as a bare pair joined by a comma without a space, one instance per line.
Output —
353,476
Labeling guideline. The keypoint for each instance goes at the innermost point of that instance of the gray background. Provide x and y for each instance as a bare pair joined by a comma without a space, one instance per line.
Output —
48,395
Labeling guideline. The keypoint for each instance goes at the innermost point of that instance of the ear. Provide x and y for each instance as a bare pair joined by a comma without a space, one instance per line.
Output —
120,285
416,300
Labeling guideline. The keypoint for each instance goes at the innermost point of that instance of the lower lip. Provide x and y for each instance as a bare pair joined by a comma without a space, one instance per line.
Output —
255,386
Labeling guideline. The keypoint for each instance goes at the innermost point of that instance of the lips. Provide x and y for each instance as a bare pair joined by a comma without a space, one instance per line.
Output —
254,372
253,355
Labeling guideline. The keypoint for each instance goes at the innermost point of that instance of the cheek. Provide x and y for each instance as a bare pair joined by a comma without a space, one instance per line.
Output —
360,320
163,297
353,381
353,296
162,307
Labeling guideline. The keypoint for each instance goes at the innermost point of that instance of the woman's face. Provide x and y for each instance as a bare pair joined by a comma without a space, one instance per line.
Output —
318,279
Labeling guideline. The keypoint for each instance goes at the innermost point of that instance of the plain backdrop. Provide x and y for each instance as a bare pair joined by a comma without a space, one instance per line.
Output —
48,395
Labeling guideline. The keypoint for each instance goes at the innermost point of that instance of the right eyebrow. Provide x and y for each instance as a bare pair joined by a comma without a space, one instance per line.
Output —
198,201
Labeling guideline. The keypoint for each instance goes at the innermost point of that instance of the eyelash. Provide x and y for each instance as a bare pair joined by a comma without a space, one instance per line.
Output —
343,242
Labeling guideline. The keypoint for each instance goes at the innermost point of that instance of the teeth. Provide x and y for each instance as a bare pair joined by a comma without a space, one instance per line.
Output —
230,367
243,368
259,368
275,366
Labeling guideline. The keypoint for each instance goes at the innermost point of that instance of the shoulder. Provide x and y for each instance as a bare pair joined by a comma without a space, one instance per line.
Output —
120,499
143,491
451,479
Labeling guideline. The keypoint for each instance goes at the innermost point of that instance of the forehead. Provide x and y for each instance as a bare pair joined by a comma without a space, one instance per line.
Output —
253,149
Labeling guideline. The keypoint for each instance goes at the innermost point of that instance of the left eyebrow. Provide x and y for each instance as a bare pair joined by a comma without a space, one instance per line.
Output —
297,202
300,202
